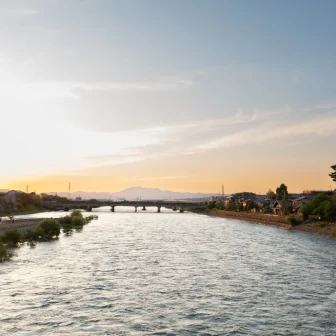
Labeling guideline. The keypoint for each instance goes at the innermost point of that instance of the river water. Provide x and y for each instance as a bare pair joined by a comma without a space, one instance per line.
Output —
171,274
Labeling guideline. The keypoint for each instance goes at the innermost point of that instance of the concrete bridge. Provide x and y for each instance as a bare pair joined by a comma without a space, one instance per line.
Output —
174,205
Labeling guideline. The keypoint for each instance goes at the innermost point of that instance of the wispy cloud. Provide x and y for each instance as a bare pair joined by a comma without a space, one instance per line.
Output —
22,11
45,90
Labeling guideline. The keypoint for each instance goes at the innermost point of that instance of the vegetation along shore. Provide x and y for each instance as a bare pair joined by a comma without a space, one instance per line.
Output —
37,231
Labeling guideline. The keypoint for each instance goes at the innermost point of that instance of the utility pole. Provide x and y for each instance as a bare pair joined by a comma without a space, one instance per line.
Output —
27,189
69,190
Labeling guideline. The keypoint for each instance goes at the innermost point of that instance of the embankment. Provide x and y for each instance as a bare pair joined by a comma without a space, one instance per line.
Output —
320,228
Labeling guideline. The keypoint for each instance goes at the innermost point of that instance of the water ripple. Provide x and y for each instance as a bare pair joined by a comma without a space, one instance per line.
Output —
171,274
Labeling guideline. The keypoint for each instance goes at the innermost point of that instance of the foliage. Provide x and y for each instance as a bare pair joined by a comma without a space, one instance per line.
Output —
333,173
50,228
211,205
246,195
293,221
12,237
282,192
270,194
77,221
76,213
252,205
54,198
323,205
27,200
231,207
5,254
33,235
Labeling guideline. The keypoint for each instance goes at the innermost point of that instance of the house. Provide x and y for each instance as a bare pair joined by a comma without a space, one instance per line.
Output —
217,199
277,207
299,202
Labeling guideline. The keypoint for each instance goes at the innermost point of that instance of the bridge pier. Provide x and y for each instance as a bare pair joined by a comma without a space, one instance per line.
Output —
174,208
144,208
89,209
65,209
181,210
159,209
112,209
136,209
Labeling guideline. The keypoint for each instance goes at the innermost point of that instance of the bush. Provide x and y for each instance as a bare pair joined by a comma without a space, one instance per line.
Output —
5,254
76,213
33,235
77,221
293,221
12,237
50,228
65,220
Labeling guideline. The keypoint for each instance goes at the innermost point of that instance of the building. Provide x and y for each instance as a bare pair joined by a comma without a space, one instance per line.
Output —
10,199
299,202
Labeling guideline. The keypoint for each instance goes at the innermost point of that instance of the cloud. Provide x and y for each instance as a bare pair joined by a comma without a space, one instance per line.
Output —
22,12
76,89
320,126
253,129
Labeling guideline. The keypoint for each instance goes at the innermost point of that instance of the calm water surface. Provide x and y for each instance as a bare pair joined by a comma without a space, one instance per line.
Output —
171,274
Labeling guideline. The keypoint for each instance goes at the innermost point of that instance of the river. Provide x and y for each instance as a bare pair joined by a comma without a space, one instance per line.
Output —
171,273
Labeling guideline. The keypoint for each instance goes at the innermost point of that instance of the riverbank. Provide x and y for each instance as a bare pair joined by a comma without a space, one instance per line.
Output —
21,224
319,228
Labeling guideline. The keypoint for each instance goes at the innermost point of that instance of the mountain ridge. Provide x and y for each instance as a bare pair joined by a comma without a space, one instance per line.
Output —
132,193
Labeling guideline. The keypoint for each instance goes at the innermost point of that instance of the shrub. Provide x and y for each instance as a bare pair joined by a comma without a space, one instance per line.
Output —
65,220
293,221
5,254
77,221
50,228
33,235
12,237
76,213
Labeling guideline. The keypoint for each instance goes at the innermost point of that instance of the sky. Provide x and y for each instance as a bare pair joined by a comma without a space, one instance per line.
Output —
184,95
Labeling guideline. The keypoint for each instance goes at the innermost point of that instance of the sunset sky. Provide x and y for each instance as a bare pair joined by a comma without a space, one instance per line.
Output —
184,95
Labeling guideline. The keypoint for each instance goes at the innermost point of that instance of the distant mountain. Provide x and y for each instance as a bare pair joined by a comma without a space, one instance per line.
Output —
133,194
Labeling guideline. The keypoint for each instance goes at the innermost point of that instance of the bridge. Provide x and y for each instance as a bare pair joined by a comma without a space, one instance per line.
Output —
174,205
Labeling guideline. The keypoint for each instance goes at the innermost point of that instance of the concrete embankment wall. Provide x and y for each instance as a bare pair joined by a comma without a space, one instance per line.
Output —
279,221
20,224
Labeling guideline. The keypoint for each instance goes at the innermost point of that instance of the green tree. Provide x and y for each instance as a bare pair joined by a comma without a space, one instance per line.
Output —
12,237
270,194
282,192
333,173
77,221
231,207
50,228
330,210
5,254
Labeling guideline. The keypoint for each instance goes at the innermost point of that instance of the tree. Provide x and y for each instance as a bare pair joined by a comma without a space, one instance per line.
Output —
282,192
270,194
50,228
12,237
333,174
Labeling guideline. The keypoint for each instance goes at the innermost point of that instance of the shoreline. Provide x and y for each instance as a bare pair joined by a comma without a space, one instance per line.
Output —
322,229
20,224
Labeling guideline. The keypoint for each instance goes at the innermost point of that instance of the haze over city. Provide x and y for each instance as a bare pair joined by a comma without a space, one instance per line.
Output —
179,95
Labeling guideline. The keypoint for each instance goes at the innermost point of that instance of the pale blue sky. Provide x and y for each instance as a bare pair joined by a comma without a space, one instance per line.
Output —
165,79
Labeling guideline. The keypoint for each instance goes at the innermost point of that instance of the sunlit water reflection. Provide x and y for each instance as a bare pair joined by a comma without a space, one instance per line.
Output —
168,273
